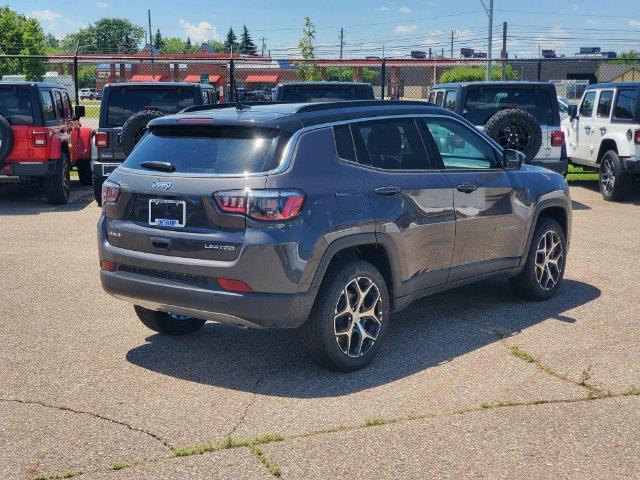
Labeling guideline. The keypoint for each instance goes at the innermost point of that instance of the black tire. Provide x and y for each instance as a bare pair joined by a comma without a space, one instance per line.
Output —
135,127
84,172
614,182
97,189
516,129
6,139
167,324
528,283
328,349
57,187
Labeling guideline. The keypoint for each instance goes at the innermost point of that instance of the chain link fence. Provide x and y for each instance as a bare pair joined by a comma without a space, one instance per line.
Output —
255,78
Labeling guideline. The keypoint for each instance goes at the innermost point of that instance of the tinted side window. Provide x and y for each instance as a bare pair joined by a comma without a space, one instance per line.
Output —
439,97
393,144
626,104
604,103
586,108
344,142
459,147
15,105
67,103
47,106
450,100
59,105
432,97
484,102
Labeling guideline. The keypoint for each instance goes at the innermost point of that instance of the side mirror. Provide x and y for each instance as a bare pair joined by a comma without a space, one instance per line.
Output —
79,111
573,111
513,159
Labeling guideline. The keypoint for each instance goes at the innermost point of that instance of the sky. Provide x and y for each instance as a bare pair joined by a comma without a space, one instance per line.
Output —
369,25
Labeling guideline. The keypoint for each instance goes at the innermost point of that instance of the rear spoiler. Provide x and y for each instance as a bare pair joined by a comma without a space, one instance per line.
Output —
217,106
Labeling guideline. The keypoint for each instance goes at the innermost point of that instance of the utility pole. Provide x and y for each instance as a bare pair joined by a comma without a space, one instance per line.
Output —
263,47
490,36
503,54
153,67
452,32
341,42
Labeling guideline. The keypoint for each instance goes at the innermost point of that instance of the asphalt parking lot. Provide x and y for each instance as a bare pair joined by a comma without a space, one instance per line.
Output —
471,383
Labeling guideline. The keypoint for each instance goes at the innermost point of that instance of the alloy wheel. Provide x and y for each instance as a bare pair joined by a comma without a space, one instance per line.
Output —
549,260
138,134
514,136
358,317
607,175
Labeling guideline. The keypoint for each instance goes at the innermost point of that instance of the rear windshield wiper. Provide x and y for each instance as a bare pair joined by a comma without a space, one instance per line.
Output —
162,166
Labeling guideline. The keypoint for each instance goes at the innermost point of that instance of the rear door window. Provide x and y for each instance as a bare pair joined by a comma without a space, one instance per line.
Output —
450,100
439,97
124,102
604,103
344,143
211,150
15,105
626,104
60,107
484,102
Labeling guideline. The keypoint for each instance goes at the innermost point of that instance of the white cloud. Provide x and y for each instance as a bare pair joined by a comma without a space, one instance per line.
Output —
383,8
406,28
46,15
201,32
405,10
634,23
102,5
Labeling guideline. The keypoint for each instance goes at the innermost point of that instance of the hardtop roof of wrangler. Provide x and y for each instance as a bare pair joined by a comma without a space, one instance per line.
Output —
156,84
293,116
494,83
32,84
614,85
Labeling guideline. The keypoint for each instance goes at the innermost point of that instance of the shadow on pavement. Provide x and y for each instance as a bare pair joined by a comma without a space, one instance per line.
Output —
633,198
30,199
432,331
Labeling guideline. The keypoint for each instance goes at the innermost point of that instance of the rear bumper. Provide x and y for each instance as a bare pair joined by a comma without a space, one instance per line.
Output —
30,169
189,287
102,169
632,165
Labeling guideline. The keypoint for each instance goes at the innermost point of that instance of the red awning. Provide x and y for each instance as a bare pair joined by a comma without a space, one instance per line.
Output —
192,78
262,79
138,77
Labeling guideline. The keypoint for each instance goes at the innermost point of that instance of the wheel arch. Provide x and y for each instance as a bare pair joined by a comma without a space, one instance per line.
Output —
557,210
606,145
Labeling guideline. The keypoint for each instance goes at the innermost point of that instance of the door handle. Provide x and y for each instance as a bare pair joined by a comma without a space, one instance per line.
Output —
467,187
387,190
603,130
587,129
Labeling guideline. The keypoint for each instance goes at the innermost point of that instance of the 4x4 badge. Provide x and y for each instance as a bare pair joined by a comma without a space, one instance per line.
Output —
161,185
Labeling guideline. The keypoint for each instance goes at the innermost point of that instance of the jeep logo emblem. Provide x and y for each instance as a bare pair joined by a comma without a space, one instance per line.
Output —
161,185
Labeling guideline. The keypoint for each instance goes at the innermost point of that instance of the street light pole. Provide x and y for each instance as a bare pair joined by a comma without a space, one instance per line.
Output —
489,11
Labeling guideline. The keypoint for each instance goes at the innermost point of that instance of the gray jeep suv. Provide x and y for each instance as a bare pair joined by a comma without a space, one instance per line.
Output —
328,216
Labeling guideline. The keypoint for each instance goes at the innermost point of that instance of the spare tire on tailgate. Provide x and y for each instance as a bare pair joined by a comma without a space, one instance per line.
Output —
6,139
516,129
135,127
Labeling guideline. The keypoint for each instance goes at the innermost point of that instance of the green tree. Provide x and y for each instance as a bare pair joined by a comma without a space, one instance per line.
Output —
21,36
107,35
86,76
247,46
231,42
308,71
158,41
476,74
188,48
173,45
52,44
346,74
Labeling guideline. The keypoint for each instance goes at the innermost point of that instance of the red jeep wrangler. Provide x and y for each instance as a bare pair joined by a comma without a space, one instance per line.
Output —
41,137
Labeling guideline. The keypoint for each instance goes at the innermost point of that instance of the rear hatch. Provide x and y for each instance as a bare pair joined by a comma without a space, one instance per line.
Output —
120,102
175,213
16,106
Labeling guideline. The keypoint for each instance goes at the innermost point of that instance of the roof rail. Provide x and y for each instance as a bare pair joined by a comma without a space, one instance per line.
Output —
216,106
317,107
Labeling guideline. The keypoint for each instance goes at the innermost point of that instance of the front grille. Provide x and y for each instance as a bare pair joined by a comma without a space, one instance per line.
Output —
186,278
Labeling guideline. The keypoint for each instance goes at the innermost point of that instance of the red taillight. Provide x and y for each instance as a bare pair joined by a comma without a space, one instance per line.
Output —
636,137
39,139
102,139
234,285
110,192
107,265
557,138
267,205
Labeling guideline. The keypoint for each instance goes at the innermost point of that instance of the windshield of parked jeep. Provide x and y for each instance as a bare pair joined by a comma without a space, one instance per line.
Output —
298,94
211,150
484,102
15,105
124,102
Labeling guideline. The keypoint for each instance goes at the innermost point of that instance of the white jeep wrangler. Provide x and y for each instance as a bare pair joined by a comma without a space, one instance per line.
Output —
603,134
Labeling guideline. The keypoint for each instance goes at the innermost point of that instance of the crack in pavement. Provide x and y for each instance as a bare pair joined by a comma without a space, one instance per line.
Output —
64,408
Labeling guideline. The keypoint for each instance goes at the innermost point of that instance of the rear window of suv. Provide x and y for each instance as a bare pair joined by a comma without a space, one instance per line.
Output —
124,102
15,105
296,94
484,102
211,150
